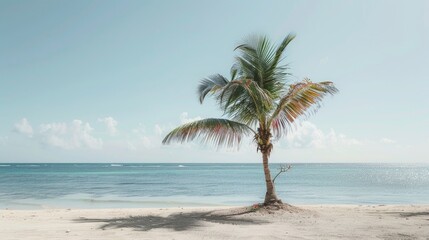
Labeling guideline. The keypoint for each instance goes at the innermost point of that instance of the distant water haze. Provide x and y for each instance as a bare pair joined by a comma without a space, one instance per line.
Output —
107,185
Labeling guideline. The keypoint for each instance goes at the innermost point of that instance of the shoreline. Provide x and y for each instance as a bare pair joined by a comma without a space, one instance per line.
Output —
311,221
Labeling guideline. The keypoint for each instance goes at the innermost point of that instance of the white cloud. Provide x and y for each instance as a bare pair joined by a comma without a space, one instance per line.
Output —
111,125
24,127
184,118
387,141
146,139
69,136
307,135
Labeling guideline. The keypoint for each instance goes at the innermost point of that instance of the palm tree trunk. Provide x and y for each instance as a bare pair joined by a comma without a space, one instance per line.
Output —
270,195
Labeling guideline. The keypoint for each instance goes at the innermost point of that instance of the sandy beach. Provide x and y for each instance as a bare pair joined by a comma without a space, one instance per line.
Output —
303,222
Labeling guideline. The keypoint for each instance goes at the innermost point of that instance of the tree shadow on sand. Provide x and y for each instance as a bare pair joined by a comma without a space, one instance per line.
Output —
411,214
176,221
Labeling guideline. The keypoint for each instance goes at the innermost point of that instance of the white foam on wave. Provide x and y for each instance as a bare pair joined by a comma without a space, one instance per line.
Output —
142,166
181,166
4,165
28,165
116,165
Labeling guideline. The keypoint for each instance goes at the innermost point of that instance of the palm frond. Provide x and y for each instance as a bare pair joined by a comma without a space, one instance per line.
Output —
281,48
211,85
221,132
255,55
303,99
245,101
259,60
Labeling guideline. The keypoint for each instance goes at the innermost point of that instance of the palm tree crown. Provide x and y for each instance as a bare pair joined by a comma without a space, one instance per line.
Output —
257,101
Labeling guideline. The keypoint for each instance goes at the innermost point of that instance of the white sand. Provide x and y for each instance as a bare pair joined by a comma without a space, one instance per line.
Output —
314,222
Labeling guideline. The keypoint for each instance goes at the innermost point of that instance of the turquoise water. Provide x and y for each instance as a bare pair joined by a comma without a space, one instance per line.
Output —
37,185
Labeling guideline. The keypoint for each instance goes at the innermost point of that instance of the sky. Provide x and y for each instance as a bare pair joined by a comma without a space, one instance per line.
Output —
104,81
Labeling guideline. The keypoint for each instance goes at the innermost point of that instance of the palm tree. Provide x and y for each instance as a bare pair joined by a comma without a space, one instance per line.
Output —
257,101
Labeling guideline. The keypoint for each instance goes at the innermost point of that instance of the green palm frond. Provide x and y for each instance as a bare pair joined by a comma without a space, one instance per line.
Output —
211,85
245,94
276,75
221,132
255,57
303,99
280,49
259,60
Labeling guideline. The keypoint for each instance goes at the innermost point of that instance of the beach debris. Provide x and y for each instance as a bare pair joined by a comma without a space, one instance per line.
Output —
68,230
256,206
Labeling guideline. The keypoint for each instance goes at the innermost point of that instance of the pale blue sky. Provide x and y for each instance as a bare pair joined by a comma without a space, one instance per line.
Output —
69,70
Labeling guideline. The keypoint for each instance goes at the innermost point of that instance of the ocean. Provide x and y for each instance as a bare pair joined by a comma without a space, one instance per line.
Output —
133,185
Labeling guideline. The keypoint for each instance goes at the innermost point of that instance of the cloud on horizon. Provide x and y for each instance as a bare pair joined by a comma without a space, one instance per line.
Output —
111,125
24,127
308,135
75,135
79,134
305,142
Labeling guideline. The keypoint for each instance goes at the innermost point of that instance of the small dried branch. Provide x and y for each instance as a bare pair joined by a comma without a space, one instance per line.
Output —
282,169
